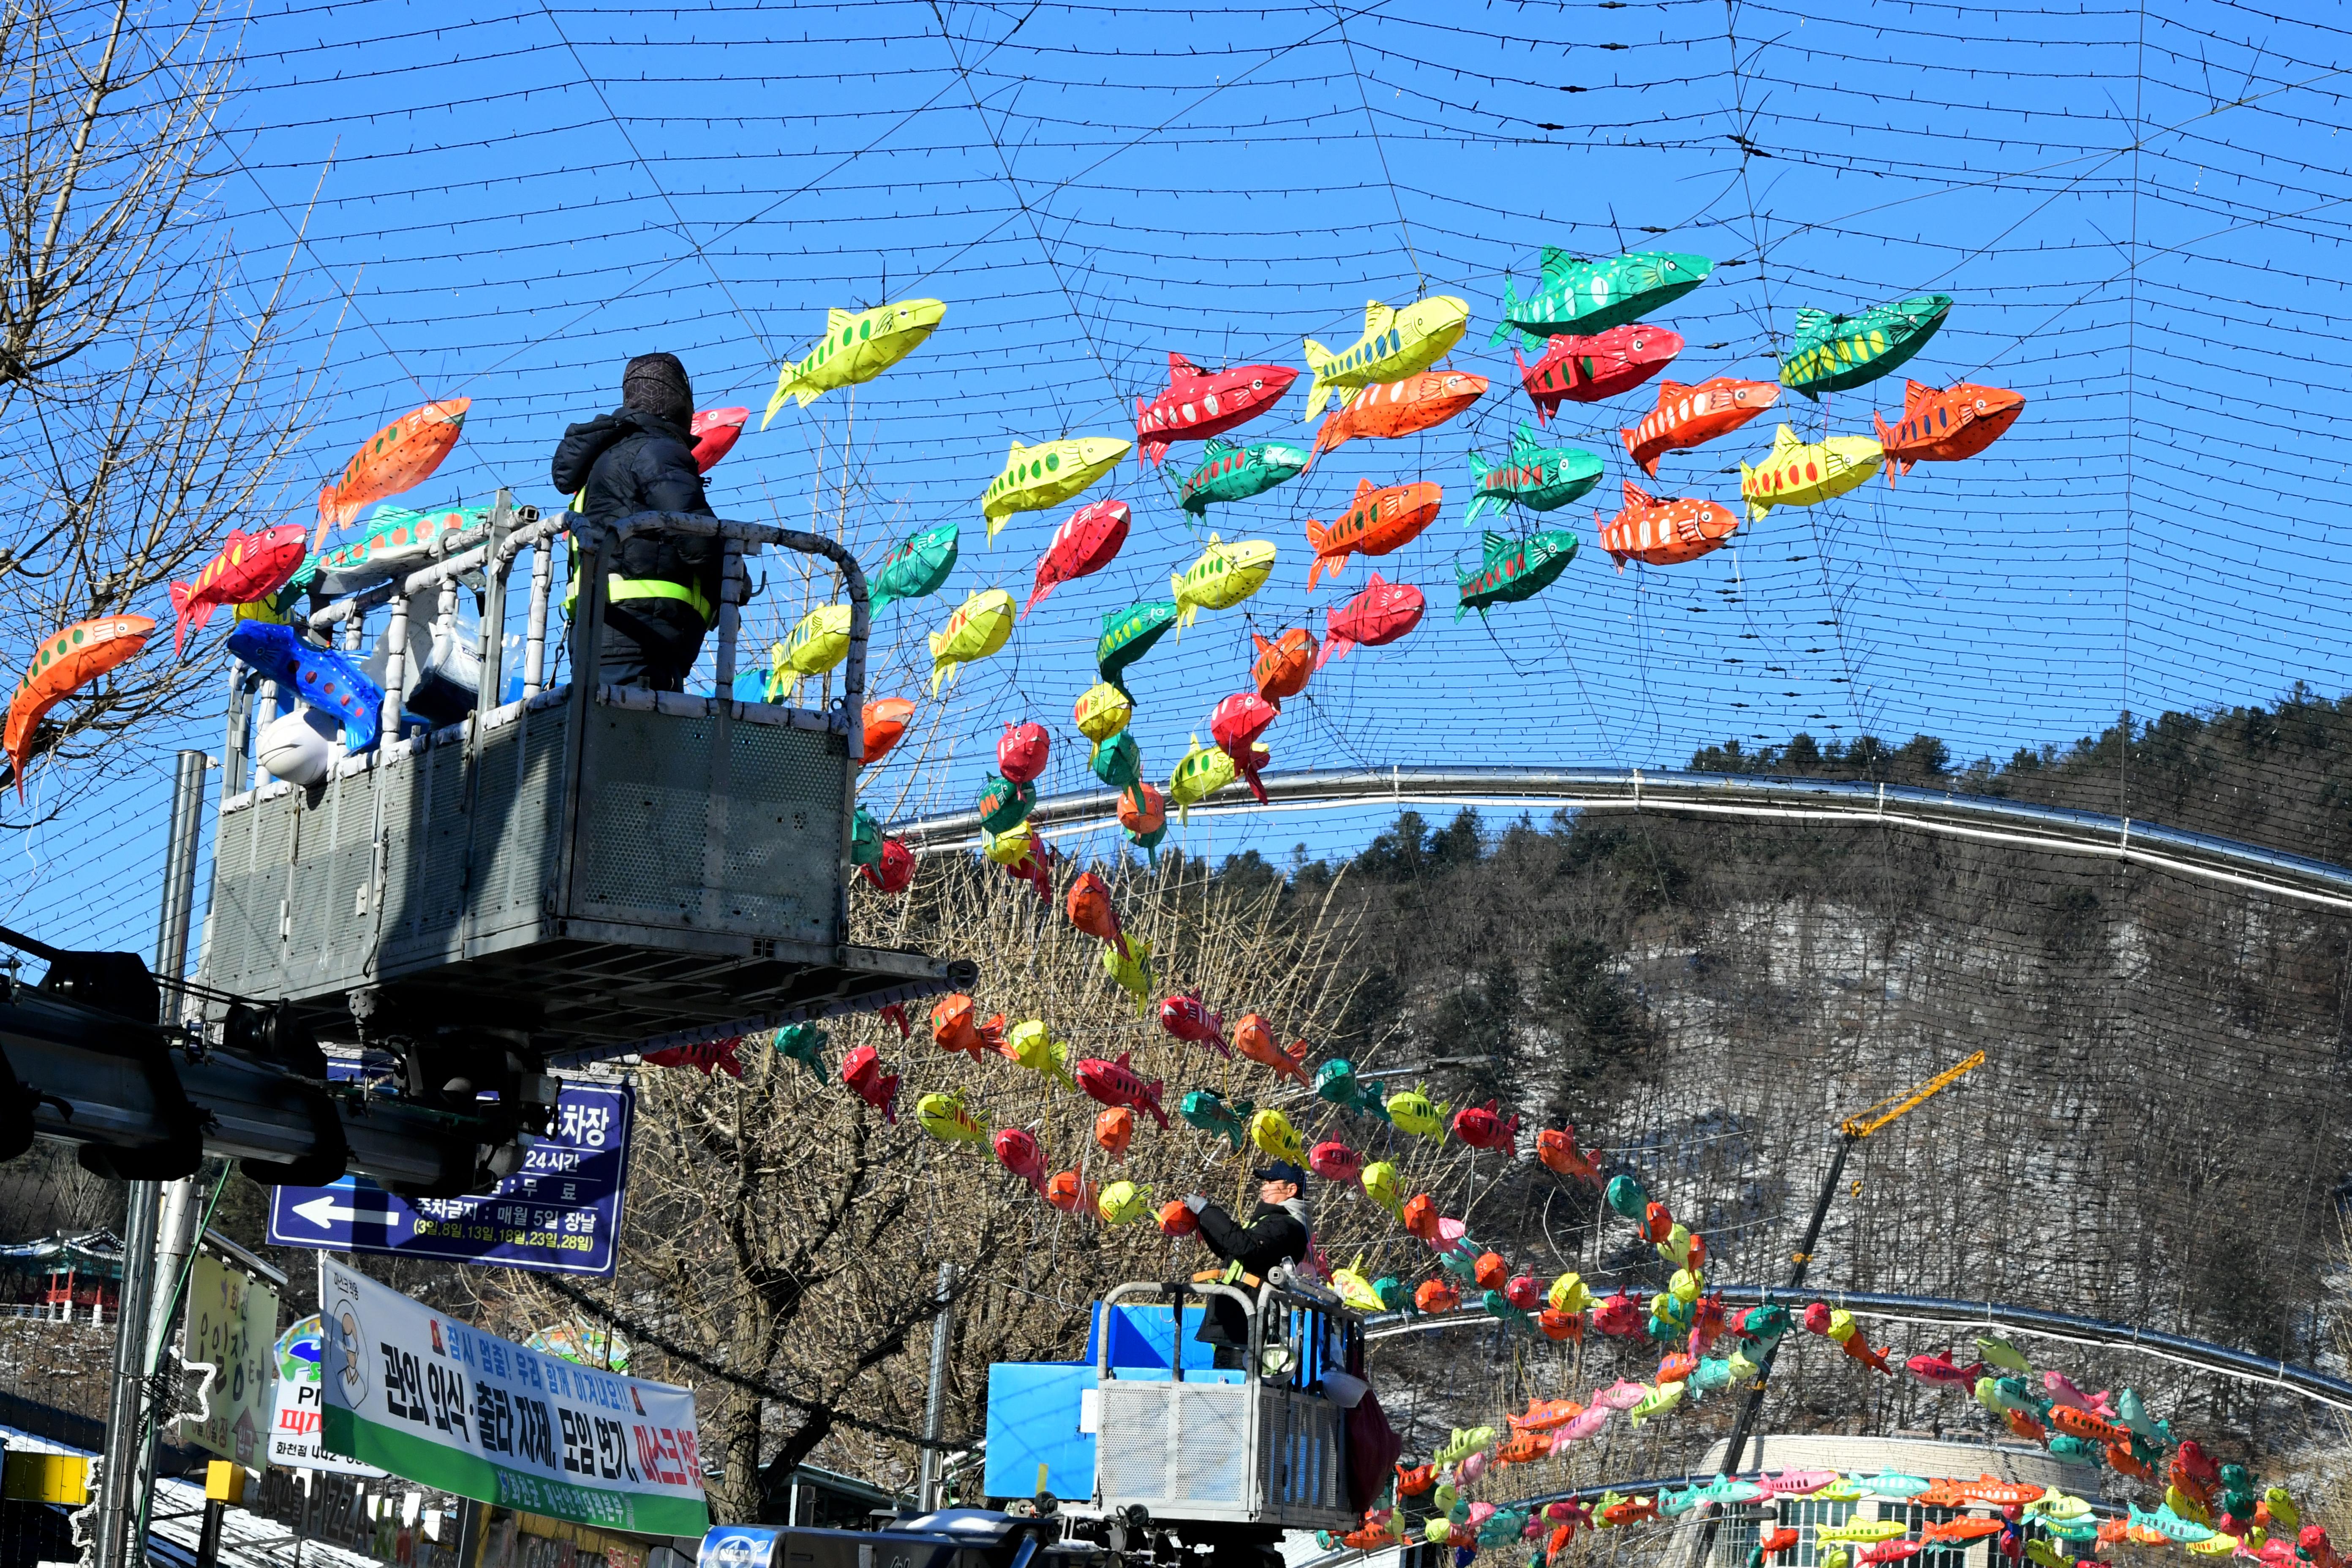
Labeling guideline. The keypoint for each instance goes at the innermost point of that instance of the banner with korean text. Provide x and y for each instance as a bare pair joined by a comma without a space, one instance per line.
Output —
448,1406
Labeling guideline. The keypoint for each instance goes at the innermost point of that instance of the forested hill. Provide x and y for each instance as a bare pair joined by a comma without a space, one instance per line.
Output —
2279,776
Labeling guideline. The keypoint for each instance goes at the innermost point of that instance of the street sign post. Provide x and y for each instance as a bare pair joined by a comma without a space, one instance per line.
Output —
558,1214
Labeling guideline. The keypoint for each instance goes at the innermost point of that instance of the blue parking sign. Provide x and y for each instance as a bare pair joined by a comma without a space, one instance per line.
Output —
558,1214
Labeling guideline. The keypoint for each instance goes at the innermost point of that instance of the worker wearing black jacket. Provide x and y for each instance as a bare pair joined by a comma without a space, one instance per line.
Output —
663,593
1278,1232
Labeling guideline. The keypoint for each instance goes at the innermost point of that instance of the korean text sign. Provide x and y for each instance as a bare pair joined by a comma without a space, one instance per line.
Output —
448,1406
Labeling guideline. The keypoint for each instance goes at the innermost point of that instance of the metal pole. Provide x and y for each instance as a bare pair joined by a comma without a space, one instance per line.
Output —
125,1407
935,1406
180,878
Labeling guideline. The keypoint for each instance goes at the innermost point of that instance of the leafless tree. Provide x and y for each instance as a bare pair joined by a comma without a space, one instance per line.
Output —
144,408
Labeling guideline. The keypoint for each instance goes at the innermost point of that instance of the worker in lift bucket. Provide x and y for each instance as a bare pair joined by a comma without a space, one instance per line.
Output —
662,593
1278,1233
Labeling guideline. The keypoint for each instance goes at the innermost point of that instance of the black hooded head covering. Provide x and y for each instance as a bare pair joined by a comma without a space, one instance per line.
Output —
656,383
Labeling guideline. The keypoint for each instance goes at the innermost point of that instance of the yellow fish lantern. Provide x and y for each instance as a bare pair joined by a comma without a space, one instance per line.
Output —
1102,712
1047,474
1675,1249
1355,1290
1271,1131
2214,1545
978,628
1130,971
1395,345
857,345
1685,1286
1656,1401
946,1118
1380,1185
1569,1293
1742,1369
1437,1531
1033,1046
1800,473
1413,1112
1009,847
1842,1323
1121,1202
1200,773
1223,577
817,644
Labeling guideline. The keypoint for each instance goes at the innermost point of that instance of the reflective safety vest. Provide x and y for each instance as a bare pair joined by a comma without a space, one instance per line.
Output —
617,587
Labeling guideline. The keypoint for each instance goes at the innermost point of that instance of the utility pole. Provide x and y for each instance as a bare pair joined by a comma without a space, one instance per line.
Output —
142,1317
935,1406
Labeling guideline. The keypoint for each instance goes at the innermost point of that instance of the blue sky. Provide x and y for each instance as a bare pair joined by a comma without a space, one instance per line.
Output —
2140,215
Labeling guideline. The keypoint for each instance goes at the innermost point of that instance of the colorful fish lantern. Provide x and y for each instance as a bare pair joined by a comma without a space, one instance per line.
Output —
1046,475
323,677
1381,614
1143,814
1282,665
395,541
955,1027
1200,404
1687,417
400,455
1663,532
1101,712
1945,427
1254,1038
1537,477
1003,804
1113,1131
1271,1131
1229,473
1586,369
1116,1083
818,643
1118,762
1235,725
1223,577
946,1118
715,432
1379,520
1832,351
1018,1153
918,568
1021,750
1394,408
1088,540
884,721
1515,569
861,1070
1556,1147
1128,635
895,872
1576,296
1030,1044
1396,343
251,566
1026,858
1131,971
976,631
857,346
1200,773
1802,473
73,657
1207,1110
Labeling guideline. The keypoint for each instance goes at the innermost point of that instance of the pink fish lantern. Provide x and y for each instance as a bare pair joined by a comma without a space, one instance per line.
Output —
715,433
1335,1162
1622,1395
1480,1512
1021,751
1532,1528
1472,1467
1594,1419
1450,1233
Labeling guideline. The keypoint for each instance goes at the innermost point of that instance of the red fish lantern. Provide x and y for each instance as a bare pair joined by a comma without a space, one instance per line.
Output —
1018,1153
1381,614
1525,1293
861,1070
885,720
1588,369
1200,404
715,433
1176,1219
1335,1162
251,566
1236,726
1021,751
1085,543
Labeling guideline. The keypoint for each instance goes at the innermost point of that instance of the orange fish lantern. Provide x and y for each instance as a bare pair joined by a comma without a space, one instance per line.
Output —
1283,665
1690,417
2124,1462
1092,911
1557,1325
402,454
1113,1131
1658,1222
1392,408
1143,813
1524,1449
1065,1192
1677,1367
1556,1147
1175,1219
1947,426
1377,522
1021,751
1665,532
1253,1037
251,566
1437,1296
1547,1414
715,433
67,661
1490,1271
885,720
1416,1481
1235,725
1420,1217
954,1028
894,873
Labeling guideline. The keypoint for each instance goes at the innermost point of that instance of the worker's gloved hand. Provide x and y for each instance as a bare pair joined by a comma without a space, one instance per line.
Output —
1197,1202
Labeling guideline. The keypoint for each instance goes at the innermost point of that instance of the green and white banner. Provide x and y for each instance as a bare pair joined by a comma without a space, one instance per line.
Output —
451,1407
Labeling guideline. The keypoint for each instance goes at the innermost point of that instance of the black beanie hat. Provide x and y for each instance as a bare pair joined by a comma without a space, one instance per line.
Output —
656,384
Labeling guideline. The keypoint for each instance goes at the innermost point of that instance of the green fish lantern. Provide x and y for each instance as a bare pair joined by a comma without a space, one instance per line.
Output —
917,569
1232,473
865,839
1579,298
1128,635
1538,478
1004,805
1118,762
1200,773
1515,569
1223,577
803,1043
1624,1195
1832,353
1047,474
857,345
1206,1109
1131,970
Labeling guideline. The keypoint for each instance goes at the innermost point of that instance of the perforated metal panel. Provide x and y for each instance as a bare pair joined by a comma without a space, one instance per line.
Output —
1299,1444
1163,1443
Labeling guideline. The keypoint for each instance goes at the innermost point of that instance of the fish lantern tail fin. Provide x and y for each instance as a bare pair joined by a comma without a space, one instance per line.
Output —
785,379
1504,327
1187,609
1318,393
186,611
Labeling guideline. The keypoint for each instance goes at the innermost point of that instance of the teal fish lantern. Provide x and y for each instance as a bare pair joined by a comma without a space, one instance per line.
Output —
1515,569
1537,477
1118,762
803,1043
1230,473
1128,635
1004,805
918,568
1578,297
1832,353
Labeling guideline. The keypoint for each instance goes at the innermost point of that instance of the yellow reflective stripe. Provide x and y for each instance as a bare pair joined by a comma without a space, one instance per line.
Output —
619,587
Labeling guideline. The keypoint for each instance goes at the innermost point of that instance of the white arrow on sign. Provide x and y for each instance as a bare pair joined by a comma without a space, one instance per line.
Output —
324,1211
